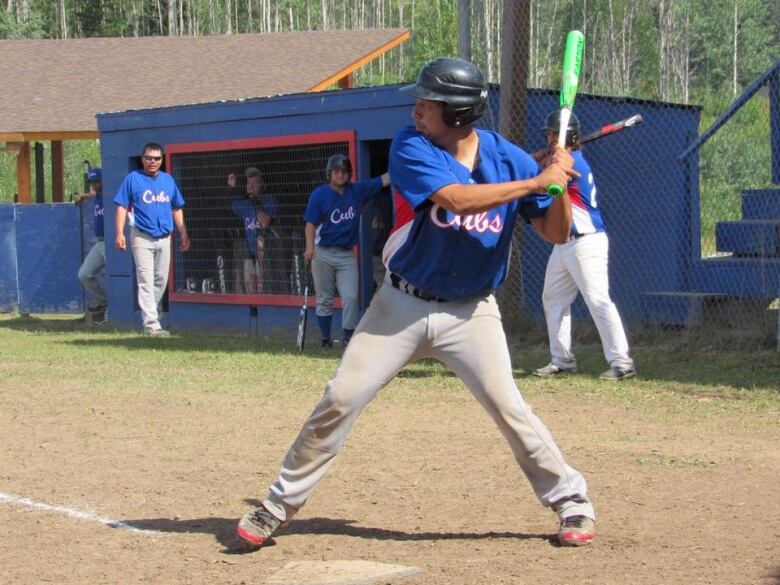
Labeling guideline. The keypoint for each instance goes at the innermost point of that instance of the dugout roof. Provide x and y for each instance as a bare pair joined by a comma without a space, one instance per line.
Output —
52,89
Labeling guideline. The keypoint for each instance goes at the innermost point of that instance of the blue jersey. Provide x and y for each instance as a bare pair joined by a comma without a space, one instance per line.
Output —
152,199
337,215
585,215
247,210
445,254
98,223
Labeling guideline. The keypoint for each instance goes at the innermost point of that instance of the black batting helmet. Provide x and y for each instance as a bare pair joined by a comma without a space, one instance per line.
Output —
553,124
338,161
457,83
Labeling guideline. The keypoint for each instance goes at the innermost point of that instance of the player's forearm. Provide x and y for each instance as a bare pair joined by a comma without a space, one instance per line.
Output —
178,218
120,218
310,232
469,199
555,225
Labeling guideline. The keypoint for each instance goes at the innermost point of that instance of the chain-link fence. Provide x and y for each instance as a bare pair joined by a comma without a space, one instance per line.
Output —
694,229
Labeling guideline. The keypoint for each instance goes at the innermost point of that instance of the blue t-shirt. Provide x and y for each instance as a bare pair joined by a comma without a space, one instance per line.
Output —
152,200
442,253
247,210
337,215
98,224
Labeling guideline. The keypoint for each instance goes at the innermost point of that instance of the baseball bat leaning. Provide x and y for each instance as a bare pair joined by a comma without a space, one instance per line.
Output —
613,128
304,314
572,64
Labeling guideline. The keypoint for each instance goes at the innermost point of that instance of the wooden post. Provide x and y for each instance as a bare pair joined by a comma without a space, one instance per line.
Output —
40,176
347,82
464,29
512,124
57,174
23,182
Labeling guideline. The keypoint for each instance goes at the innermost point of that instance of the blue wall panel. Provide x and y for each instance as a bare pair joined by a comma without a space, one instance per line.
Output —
9,289
48,244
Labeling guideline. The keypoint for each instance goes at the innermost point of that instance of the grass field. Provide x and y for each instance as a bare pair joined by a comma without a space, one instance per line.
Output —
179,436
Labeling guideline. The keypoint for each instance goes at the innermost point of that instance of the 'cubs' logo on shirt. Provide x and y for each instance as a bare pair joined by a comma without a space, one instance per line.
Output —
149,197
337,216
479,222
252,223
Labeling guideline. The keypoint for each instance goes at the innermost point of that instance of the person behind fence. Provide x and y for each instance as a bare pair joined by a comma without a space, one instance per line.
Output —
332,221
459,191
157,205
95,260
580,264
259,213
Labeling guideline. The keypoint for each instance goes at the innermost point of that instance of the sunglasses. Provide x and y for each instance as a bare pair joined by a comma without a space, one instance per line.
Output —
152,158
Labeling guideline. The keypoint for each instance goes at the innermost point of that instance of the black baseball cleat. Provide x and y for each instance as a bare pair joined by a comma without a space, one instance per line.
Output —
326,343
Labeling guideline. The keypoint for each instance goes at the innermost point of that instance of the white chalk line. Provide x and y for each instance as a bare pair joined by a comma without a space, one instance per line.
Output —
79,515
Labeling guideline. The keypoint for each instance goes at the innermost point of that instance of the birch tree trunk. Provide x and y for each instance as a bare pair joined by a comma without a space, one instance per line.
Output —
171,18
63,18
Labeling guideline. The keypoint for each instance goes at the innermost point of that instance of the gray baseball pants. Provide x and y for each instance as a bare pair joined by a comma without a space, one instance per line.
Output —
152,258
94,262
468,337
332,269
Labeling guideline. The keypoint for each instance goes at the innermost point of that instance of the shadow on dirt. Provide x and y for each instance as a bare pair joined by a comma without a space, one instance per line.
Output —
224,531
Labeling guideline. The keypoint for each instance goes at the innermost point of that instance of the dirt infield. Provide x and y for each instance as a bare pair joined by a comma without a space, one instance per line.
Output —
686,487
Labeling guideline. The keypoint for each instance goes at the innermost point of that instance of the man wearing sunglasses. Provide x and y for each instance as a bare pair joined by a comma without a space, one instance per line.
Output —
156,203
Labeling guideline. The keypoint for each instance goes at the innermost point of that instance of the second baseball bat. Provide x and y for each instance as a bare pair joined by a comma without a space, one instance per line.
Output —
608,129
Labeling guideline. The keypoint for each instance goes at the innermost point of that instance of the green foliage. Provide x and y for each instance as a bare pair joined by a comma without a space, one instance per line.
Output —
737,157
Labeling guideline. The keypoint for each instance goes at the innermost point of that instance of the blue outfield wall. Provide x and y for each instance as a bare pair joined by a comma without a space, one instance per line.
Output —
9,278
657,196
41,250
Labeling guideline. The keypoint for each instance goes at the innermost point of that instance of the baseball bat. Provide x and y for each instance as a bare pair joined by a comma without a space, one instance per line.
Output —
304,314
572,64
613,128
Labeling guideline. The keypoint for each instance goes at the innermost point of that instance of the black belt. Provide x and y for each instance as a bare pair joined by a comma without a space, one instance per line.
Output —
578,236
99,238
407,287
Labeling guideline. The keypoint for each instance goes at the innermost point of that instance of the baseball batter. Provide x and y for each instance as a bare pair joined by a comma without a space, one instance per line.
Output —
581,264
332,221
458,192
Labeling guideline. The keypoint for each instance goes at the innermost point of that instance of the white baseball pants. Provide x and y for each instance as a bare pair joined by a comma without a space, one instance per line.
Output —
152,261
582,265
468,337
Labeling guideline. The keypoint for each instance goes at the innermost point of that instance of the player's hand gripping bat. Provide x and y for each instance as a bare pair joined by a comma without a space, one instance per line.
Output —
572,64
613,128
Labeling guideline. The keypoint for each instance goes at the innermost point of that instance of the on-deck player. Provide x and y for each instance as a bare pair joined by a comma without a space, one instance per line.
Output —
458,193
581,264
